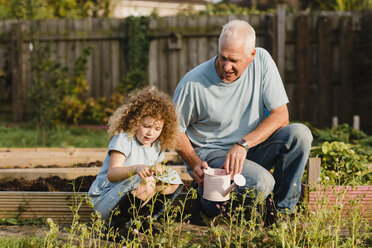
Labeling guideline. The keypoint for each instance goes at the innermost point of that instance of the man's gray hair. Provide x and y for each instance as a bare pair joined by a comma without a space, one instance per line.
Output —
232,29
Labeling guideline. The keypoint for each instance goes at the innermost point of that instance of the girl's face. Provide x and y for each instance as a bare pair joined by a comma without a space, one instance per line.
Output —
149,130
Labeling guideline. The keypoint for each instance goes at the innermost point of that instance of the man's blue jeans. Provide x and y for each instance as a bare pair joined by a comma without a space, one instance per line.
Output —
286,150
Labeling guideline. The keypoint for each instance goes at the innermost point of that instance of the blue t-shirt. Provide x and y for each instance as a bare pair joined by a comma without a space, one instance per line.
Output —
104,194
215,114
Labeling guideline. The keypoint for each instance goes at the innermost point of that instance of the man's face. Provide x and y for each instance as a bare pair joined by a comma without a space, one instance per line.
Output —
232,61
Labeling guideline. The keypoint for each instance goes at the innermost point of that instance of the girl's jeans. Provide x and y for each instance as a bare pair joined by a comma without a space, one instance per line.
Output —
286,150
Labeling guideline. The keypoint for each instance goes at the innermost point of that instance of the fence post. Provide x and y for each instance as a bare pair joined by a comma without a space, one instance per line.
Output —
270,39
346,46
324,71
313,171
303,65
281,39
18,80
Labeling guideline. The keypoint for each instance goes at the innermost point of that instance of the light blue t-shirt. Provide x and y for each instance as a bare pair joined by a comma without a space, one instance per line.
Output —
215,114
135,153
105,195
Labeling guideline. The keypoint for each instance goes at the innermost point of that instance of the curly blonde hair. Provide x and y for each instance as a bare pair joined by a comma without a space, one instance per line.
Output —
146,102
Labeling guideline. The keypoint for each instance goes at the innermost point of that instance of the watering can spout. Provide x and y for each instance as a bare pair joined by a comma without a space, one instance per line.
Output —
238,180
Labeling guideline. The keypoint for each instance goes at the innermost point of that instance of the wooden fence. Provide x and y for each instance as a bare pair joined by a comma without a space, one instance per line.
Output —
313,52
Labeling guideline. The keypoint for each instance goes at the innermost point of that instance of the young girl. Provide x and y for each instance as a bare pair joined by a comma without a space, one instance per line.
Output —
131,174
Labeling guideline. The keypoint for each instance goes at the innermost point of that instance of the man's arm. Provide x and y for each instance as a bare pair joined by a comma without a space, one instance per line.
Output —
278,118
188,154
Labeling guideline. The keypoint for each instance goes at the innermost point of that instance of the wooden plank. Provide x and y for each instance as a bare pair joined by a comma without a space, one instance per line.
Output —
192,45
87,27
53,149
61,51
172,56
152,72
35,173
70,47
346,102
162,65
97,61
271,38
78,44
182,63
3,46
212,49
18,80
115,65
345,198
202,41
71,173
62,159
313,171
30,158
302,68
52,29
281,31
106,77
291,90
59,212
324,69
26,72
152,69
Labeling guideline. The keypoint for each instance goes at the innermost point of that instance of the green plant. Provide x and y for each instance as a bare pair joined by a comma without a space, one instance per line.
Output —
20,222
343,164
137,44
343,133
5,86
345,153
344,5
52,89
41,9
60,136
71,106
321,224
220,9
24,242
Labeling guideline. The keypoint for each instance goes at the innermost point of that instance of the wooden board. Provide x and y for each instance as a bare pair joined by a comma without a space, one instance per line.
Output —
60,206
71,173
345,198
59,157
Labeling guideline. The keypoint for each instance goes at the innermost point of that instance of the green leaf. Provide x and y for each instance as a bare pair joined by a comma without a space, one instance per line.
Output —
12,221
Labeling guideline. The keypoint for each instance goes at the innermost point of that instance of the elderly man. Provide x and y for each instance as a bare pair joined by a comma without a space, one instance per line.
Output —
222,106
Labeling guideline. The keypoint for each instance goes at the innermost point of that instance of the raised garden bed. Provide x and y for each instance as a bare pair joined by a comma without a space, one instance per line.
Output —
342,197
40,181
53,196
345,198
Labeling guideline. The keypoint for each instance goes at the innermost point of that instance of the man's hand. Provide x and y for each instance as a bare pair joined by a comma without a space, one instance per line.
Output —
199,173
234,160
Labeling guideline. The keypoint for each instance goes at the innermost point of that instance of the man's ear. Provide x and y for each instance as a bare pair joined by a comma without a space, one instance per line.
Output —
253,53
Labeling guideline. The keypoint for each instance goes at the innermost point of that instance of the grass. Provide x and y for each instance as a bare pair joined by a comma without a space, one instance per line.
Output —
24,242
27,136
323,226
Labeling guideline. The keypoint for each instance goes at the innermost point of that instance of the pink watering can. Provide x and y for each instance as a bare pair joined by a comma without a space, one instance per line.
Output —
217,185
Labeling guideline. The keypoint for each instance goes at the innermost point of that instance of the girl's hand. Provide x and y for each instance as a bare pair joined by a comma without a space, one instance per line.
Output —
143,171
158,169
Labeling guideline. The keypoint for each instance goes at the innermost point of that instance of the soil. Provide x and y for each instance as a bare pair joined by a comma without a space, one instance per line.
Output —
49,184
84,165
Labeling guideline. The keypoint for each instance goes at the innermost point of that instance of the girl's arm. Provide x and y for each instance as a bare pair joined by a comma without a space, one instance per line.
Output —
117,172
